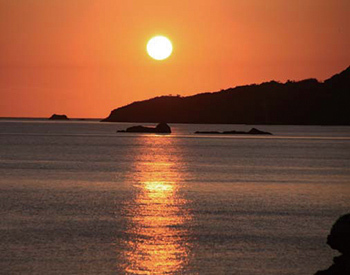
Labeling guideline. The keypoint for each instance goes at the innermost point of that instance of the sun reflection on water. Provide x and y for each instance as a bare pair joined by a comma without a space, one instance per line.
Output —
156,242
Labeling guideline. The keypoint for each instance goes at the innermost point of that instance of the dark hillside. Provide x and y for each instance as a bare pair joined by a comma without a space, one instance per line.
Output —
302,102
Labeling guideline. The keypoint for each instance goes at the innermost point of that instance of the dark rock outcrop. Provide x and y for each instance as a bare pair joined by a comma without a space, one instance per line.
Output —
339,239
303,102
252,131
58,117
255,131
161,128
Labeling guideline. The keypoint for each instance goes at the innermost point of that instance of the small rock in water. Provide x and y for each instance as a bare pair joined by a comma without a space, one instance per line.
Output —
161,128
58,117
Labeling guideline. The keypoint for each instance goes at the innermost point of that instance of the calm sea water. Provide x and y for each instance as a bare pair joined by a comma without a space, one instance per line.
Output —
78,198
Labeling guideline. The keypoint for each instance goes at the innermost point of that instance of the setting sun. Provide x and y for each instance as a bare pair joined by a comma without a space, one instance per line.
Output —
175,137
159,47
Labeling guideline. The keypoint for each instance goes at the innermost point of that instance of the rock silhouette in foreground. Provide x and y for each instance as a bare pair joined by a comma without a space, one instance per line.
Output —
252,131
161,128
58,117
339,239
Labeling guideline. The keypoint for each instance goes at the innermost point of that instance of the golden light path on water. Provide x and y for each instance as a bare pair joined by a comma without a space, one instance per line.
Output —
157,236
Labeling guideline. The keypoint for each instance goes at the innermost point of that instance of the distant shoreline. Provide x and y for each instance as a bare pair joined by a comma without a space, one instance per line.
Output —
304,102
45,118
138,122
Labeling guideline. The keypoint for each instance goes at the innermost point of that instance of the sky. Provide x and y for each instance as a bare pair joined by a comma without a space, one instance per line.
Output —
84,58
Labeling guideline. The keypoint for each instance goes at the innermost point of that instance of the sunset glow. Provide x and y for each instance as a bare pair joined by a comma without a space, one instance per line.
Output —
84,58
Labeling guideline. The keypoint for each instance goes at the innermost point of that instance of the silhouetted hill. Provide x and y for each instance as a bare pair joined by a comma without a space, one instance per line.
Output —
302,102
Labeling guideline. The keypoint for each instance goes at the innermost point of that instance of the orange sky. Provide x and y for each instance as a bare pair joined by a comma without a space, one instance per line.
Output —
84,58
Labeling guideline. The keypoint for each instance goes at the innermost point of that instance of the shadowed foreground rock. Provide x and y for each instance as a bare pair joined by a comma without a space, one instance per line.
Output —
58,117
161,128
252,131
339,239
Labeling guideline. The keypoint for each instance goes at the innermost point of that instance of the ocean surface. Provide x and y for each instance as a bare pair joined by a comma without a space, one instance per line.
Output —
78,198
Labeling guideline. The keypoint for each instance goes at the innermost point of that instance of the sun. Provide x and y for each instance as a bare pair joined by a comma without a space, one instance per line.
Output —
159,47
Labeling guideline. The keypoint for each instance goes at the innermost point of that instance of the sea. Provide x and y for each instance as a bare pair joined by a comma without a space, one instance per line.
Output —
76,197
